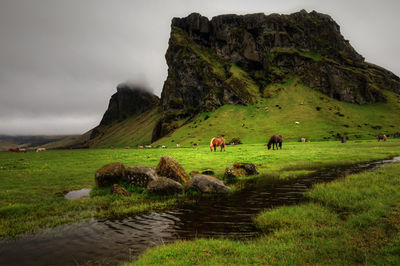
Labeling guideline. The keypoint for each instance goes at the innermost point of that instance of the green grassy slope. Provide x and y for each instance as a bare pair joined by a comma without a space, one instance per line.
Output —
320,118
284,105
133,131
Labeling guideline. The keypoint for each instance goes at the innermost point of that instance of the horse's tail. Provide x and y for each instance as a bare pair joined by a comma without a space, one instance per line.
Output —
211,142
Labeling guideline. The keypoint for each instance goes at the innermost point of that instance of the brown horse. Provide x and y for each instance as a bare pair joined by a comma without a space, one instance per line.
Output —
13,149
275,140
379,137
215,142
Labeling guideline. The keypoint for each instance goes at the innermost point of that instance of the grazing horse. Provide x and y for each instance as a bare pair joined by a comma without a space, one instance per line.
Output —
40,149
140,147
275,140
215,142
382,137
195,144
13,149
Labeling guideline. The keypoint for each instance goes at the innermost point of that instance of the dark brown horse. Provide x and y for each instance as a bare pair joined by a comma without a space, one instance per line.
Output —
13,149
215,142
379,137
275,140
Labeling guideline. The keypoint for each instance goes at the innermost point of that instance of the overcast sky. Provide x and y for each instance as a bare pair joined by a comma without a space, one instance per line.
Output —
61,60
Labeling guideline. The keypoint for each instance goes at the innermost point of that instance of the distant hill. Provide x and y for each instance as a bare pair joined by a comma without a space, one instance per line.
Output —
7,141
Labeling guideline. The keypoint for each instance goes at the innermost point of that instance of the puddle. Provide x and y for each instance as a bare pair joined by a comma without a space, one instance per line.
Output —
77,194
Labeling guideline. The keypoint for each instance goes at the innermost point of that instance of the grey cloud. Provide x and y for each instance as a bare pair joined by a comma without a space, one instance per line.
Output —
60,61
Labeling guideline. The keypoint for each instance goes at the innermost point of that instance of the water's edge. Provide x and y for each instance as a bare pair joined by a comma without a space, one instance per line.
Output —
220,215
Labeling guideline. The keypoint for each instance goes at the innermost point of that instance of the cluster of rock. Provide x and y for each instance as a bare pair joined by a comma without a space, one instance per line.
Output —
166,179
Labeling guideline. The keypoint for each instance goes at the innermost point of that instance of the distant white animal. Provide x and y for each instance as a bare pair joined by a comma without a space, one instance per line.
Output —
164,147
148,146
40,149
178,145
22,150
297,123
303,140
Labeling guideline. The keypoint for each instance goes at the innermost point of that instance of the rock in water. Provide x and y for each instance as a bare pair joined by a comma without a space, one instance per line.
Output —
118,190
250,168
170,168
163,186
240,170
233,173
140,176
205,183
109,174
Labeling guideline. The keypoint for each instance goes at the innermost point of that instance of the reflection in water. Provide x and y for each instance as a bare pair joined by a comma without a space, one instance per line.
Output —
113,241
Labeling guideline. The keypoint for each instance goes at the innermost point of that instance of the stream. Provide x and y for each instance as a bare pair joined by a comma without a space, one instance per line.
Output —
212,216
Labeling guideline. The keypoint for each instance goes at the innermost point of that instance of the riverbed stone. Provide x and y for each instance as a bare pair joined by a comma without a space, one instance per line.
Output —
171,169
250,168
109,174
164,186
140,176
118,190
206,184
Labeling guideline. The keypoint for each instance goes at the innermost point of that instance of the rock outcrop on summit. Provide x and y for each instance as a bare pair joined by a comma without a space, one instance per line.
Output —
129,100
231,59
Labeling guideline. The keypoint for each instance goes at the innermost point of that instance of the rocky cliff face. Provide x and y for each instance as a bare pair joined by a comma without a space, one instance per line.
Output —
231,59
129,100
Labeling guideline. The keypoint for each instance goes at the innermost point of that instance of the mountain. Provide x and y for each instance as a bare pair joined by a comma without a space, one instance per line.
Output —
252,76
232,59
129,119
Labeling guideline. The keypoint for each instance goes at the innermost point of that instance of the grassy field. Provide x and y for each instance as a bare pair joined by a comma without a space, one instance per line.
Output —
351,221
33,184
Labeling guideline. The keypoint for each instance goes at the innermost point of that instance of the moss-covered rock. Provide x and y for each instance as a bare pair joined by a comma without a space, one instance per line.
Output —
109,174
170,168
233,173
205,184
164,186
140,176
118,190
250,168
